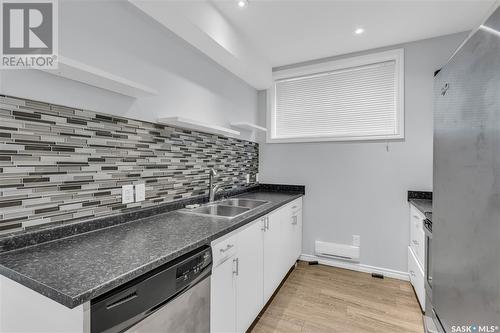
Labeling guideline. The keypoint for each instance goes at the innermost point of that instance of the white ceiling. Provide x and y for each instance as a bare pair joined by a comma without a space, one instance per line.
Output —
287,31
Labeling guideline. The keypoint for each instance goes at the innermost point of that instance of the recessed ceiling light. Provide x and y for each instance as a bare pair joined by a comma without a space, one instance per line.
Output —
359,31
242,3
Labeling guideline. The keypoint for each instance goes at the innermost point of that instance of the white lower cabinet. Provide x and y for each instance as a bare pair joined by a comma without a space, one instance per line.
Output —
282,244
249,279
223,289
294,226
297,234
417,234
416,254
24,310
250,264
274,261
416,277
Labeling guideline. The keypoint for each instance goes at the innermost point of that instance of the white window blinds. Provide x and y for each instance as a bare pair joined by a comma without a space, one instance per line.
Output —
360,102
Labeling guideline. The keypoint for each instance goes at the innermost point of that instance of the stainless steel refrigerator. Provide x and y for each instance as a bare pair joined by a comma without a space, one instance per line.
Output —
466,206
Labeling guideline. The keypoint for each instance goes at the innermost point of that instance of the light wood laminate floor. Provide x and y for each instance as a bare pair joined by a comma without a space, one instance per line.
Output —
326,299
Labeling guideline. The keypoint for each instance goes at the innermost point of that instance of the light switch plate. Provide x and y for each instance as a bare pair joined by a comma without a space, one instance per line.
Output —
140,192
127,194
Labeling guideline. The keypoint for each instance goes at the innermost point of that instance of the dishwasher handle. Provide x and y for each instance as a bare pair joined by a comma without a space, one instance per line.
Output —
122,300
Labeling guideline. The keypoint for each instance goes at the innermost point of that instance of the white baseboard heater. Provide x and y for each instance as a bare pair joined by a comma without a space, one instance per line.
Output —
337,251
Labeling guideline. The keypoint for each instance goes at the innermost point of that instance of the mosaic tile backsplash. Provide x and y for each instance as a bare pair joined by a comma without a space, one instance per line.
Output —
59,164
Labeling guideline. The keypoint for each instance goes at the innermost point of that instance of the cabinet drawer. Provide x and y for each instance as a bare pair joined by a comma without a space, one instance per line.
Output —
416,277
418,246
223,249
295,209
296,206
417,235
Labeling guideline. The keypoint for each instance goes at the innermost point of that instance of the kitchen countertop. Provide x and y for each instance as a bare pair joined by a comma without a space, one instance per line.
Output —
423,205
76,269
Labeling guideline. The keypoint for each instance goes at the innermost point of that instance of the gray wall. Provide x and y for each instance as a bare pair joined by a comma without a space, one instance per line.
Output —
360,187
124,41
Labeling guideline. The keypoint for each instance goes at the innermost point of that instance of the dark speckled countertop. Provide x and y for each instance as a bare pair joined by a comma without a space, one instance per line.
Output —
423,205
76,269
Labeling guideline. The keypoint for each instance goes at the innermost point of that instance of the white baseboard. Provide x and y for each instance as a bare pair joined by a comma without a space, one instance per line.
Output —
356,266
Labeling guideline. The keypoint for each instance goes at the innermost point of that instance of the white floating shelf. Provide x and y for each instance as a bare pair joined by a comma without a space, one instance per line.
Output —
198,126
77,71
249,126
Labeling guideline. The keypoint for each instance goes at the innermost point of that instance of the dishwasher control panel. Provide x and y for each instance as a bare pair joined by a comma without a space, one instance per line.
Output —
188,271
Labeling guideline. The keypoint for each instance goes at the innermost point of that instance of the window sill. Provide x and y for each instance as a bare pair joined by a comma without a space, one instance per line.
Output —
396,137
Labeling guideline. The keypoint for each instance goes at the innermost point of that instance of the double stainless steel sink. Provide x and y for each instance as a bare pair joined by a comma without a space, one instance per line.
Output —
228,208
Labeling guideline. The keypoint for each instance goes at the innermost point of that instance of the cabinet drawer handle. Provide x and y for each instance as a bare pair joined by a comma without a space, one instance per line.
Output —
267,222
229,246
236,271
294,220
293,207
263,224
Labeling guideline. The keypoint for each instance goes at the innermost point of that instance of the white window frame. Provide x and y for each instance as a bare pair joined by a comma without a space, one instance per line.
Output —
396,55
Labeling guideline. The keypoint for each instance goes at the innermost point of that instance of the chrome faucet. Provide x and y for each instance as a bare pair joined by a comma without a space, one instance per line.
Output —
212,189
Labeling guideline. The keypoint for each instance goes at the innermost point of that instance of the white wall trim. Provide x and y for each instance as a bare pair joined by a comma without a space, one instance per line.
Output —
339,64
356,267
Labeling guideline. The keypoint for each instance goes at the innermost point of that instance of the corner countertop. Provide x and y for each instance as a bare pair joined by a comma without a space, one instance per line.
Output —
423,205
76,269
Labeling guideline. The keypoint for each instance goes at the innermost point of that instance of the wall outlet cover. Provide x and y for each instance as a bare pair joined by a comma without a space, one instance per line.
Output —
127,194
140,192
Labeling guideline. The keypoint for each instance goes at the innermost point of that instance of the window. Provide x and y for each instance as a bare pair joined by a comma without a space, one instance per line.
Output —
357,98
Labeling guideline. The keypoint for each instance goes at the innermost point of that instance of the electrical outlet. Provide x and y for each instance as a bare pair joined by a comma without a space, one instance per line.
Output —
247,178
127,194
140,192
356,240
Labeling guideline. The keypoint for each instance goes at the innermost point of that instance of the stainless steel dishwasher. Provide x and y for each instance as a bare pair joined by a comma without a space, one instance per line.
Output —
174,297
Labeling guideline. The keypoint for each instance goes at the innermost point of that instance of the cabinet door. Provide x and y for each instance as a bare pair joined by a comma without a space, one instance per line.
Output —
297,235
292,233
223,298
295,231
249,279
274,252
288,238
417,235
416,277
